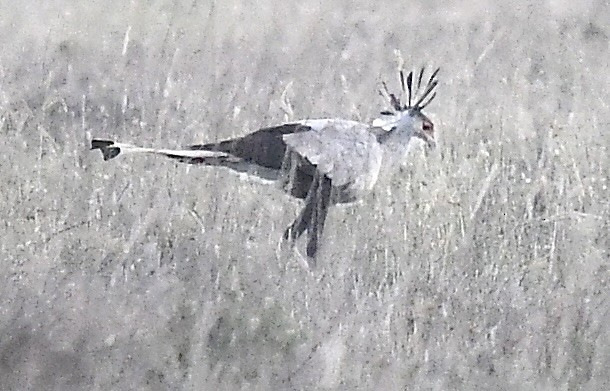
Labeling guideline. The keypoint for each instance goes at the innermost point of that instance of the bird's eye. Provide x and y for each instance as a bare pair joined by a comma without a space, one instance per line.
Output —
427,126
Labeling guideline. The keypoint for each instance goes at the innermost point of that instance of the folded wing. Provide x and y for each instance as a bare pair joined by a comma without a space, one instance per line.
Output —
345,151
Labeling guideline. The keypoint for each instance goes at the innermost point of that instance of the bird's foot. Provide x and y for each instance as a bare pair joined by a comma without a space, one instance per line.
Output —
287,249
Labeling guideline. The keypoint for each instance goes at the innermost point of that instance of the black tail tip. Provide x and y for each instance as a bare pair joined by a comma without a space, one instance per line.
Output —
106,146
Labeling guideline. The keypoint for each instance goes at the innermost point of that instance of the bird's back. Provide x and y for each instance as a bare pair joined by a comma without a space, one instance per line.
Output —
344,151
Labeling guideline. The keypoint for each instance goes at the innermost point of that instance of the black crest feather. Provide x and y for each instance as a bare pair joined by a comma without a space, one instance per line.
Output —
421,101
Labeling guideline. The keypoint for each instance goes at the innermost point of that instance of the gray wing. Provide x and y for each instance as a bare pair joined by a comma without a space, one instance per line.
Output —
345,151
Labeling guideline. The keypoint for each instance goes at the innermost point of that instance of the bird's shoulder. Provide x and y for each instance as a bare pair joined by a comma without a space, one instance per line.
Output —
330,131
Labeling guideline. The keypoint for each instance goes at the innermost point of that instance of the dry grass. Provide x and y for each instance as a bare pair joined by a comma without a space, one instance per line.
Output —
482,266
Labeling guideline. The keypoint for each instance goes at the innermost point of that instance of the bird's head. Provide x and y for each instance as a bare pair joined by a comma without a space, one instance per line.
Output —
408,119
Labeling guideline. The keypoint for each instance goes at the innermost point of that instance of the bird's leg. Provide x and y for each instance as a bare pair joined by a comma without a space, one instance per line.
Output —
300,224
318,218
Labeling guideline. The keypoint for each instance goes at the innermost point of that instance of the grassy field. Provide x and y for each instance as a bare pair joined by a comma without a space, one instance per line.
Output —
483,265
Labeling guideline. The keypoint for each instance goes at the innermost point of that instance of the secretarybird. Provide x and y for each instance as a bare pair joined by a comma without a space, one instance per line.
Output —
322,161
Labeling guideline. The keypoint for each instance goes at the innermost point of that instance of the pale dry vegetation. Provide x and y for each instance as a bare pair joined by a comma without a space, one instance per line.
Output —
483,265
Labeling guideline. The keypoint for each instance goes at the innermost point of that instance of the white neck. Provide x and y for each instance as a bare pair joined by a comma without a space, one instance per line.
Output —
397,134
393,134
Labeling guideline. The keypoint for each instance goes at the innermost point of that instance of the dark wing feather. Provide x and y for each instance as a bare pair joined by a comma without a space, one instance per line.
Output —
265,147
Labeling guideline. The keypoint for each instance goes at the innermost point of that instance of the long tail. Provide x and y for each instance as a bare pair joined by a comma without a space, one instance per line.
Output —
111,149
